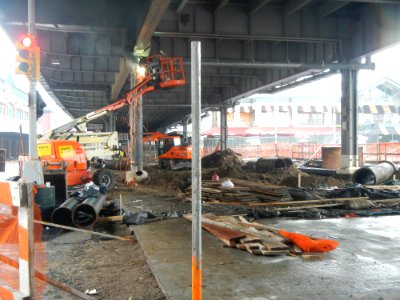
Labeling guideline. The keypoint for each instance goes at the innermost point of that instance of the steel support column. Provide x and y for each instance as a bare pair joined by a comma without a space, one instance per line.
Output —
349,120
184,129
196,173
32,88
132,133
111,121
139,135
224,127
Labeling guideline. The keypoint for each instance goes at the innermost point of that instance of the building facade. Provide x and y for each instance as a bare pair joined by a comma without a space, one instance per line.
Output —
14,114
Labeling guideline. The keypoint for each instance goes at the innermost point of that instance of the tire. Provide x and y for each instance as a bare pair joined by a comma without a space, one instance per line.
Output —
104,177
170,165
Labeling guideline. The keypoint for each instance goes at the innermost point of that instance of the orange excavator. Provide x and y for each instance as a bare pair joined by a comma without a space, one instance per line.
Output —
58,154
172,153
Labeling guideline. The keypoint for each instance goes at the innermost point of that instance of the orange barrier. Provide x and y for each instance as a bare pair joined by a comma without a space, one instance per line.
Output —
372,153
16,227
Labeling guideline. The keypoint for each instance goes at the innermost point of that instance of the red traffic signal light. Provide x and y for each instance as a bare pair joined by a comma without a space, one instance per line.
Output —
27,54
26,41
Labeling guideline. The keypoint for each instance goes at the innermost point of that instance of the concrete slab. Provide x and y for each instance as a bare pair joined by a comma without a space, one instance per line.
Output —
365,266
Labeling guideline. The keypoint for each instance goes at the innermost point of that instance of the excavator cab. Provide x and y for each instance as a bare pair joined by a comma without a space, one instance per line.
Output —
166,143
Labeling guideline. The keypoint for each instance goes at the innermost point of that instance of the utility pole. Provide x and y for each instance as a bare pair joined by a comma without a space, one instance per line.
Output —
196,173
32,87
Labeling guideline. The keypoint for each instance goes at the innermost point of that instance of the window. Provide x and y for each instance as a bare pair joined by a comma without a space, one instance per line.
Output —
3,109
10,110
19,114
311,118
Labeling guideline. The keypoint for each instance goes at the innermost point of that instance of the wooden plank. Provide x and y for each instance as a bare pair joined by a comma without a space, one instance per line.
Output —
251,231
274,252
289,203
226,235
272,244
250,239
306,207
86,231
110,219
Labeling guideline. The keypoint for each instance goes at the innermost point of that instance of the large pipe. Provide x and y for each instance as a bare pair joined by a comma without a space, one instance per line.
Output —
63,214
267,164
86,213
375,174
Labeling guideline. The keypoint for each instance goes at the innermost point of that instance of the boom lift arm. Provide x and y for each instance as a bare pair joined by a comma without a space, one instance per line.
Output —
161,73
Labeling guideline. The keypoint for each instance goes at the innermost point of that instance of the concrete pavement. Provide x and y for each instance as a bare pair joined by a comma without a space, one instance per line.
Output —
365,266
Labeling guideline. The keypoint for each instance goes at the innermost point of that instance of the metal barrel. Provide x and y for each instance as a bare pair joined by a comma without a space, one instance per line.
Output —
63,214
267,164
375,174
86,213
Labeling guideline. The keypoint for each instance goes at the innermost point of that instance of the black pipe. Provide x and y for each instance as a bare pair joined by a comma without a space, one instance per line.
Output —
86,213
267,164
318,171
375,174
63,214
122,164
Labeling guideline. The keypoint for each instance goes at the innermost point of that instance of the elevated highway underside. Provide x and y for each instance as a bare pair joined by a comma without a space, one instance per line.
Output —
88,47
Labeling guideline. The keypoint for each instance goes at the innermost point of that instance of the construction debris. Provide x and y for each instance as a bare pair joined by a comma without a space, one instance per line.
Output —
259,239
228,163
243,192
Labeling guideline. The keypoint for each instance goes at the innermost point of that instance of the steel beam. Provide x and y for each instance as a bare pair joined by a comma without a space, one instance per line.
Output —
181,6
371,1
292,6
79,55
120,79
154,15
286,65
256,5
220,5
217,36
78,71
330,7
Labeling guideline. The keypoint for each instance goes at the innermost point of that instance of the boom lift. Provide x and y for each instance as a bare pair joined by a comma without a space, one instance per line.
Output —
161,73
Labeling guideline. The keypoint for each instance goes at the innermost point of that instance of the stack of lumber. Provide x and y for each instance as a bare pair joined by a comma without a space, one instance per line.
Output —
245,192
255,238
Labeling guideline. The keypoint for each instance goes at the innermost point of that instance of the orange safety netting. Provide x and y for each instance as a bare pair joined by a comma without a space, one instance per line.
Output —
309,244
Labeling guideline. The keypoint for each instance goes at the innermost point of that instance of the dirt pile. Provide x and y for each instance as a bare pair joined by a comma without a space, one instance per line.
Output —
227,163
289,177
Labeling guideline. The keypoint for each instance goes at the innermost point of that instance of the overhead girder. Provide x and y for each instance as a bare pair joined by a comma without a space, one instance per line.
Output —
248,46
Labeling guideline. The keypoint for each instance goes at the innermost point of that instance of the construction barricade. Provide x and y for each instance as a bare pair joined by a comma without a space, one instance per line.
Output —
17,237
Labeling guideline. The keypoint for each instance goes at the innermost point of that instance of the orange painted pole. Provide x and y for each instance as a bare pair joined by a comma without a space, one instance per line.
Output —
196,172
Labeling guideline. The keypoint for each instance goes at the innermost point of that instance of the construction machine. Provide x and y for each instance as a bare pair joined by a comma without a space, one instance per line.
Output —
58,152
173,154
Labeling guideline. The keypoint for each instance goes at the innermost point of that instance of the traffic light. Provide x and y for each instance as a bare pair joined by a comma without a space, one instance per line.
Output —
27,56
